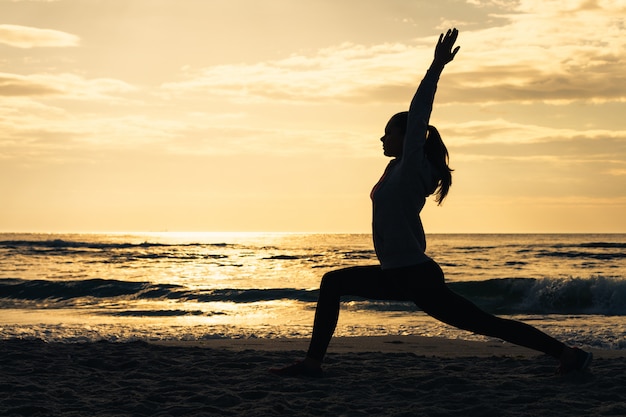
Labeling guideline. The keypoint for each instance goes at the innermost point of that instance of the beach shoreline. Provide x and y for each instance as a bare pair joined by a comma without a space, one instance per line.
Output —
417,345
383,376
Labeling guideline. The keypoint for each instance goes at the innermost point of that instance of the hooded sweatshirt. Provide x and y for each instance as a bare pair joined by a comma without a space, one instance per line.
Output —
401,192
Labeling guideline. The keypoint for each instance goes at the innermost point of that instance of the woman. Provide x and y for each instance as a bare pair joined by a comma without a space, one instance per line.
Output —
406,273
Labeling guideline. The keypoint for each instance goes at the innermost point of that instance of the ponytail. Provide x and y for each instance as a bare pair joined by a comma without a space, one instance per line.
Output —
437,155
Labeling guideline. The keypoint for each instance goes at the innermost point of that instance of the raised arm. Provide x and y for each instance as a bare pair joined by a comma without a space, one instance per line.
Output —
422,103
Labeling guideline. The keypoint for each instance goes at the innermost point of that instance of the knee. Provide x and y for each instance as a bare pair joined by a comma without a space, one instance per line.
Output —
329,281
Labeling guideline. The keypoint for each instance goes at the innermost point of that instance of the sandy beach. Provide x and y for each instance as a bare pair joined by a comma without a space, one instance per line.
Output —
381,376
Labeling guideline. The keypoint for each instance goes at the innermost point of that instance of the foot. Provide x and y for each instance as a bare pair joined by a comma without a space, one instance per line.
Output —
300,368
574,359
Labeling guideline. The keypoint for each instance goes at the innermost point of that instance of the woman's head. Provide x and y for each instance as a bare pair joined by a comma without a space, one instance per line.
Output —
434,148
393,138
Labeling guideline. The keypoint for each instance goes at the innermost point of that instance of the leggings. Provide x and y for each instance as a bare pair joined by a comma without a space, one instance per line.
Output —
424,285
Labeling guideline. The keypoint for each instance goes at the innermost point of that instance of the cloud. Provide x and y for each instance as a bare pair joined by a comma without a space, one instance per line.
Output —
15,85
500,131
52,135
30,37
528,58
538,159
549,51
208,139
64,85
340,73
546,51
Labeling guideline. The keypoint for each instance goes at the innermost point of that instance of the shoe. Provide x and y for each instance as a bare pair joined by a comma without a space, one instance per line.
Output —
298,369
581,362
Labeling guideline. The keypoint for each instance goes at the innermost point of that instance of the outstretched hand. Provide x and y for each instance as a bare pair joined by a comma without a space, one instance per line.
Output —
443,51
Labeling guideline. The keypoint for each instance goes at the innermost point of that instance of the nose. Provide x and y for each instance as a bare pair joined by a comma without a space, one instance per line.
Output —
382,139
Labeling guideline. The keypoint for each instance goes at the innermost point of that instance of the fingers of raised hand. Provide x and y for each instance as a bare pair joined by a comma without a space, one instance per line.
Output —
450,37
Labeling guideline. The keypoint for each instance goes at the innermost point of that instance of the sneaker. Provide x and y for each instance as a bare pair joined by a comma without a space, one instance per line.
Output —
298,369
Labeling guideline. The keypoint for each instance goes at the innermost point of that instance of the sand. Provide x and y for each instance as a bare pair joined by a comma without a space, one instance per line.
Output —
374,376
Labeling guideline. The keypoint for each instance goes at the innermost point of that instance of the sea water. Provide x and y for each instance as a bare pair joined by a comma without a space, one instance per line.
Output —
194,286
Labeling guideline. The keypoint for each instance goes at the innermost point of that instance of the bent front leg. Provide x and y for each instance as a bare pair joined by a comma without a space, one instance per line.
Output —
359,281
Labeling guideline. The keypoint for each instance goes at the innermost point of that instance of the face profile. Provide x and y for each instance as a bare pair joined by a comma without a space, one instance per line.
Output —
392,139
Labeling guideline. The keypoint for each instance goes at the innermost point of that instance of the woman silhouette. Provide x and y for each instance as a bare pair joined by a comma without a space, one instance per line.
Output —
406,273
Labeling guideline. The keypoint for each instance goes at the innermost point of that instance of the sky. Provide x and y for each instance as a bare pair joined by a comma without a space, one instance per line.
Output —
246,115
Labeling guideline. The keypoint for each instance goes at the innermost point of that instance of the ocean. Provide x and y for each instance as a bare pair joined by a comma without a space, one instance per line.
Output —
195,286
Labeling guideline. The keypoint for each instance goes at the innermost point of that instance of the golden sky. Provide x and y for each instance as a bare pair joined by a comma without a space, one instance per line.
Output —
245,115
